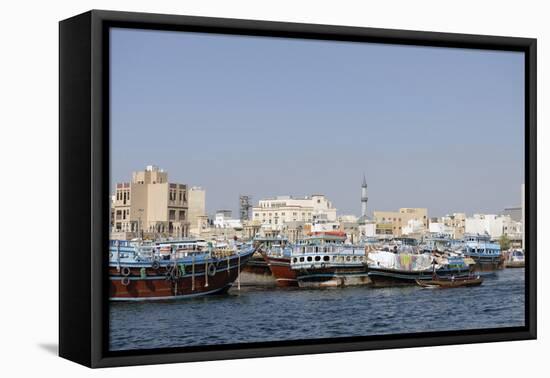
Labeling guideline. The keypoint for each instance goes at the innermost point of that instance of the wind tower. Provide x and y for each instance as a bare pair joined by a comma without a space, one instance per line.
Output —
364,199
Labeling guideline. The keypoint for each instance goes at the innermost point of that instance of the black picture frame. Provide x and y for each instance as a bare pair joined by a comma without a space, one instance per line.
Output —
84,186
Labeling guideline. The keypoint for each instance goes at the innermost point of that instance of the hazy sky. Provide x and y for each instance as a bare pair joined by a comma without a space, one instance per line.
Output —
429,127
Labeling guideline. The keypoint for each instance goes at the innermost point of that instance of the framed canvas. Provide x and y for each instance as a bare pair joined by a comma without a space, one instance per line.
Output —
236,188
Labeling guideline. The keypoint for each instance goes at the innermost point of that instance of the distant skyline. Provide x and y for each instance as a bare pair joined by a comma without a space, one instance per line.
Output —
439,128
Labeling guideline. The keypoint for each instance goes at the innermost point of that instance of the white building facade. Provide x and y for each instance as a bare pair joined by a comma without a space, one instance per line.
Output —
367,229
442,228
413,226
275,212
494,225
223,219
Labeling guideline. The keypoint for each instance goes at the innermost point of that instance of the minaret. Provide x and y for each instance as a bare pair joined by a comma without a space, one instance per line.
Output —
364,199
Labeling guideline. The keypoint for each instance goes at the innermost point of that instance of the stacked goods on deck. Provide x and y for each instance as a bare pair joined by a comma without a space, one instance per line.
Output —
177,269
397,269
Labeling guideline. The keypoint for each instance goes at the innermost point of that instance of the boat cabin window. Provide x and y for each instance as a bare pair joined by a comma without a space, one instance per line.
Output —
309,258
301,259
317,258
326,258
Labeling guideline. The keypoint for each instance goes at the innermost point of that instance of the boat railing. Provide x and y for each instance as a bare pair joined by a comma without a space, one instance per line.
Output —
328,248
326,260
123,250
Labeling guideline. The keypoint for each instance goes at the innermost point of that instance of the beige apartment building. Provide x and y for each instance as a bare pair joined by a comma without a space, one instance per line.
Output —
196,214
457,223
150,205
395,222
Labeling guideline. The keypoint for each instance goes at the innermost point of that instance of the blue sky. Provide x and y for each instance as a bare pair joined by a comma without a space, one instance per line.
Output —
430,127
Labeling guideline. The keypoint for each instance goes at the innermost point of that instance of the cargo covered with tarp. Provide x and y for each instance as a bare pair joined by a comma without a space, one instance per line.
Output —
401,261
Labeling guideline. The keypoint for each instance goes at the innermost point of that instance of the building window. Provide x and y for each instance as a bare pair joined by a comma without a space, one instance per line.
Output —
172,215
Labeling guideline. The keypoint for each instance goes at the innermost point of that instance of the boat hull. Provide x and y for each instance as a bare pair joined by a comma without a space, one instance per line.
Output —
257,273
140,282
333,277
280,268
381,277
514,264
447,283
487,264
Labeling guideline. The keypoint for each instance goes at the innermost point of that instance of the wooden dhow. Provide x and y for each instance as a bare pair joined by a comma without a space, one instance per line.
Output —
514,259
324,260
386,269
141,271
451,282
487,255
277,252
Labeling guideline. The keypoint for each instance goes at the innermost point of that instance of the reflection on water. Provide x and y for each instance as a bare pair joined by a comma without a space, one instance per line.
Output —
256,315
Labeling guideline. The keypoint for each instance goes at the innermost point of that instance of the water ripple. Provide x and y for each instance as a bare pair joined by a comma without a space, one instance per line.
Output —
255,315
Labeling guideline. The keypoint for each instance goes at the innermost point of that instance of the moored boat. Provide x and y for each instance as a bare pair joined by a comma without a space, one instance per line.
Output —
514,259
323,260
256,272
277,253
177,269
387,269
451,282
487,255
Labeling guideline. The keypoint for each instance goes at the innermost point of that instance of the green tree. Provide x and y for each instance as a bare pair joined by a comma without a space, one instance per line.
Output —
504,242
